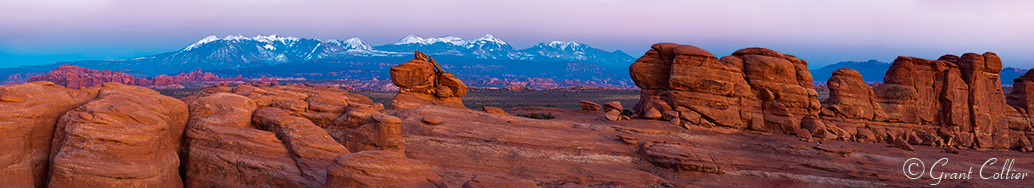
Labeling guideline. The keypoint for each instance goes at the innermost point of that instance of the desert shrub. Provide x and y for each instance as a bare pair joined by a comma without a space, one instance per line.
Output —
662,185
627,112
538,115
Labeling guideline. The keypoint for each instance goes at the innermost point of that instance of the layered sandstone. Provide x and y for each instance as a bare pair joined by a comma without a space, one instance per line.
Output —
226,150
128,137
851,97
422,81
955,101
30,114
116,135
754,88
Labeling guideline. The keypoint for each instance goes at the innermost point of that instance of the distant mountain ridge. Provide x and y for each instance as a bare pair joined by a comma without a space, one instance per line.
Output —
239,51
874,70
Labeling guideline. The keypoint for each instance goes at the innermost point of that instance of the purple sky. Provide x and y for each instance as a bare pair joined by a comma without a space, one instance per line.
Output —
820,31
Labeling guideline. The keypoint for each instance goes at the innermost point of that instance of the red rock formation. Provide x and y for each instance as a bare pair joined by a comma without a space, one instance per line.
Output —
755,86
75,77
590,106
127,137
30,113
190,77
310,146
958,98
957,93
1021,99
421,81
913,89
299,130
226,150
850,97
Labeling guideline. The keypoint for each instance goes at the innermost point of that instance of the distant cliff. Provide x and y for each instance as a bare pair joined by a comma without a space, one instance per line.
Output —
72,76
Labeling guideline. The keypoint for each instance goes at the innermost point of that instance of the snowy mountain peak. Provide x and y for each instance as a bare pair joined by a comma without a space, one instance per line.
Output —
274,37
416,39
563,44
208,39
235,37
490,38
241,37
356,44
409,39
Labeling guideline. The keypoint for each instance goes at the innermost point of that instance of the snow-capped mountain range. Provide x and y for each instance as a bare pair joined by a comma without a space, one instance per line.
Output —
239,51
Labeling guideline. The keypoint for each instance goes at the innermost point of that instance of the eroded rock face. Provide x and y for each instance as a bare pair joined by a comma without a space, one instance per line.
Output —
324,107
378,168
753,86
296,132
310,146
958,97
226,150
851,97
421,81
962,93
29,114
1021,99
128,137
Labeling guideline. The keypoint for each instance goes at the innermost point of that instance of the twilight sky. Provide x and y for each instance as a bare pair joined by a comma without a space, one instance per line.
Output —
820,31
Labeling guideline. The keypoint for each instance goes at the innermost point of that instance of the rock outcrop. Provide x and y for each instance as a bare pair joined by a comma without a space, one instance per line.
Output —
422,81
759,87
851,97
30,114
73,76
226,150
116,135
128,137
962,94
1021,99
589,106
310,146
299,130
952,101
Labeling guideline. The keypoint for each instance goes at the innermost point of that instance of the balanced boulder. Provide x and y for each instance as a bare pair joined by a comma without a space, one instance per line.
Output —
422,81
